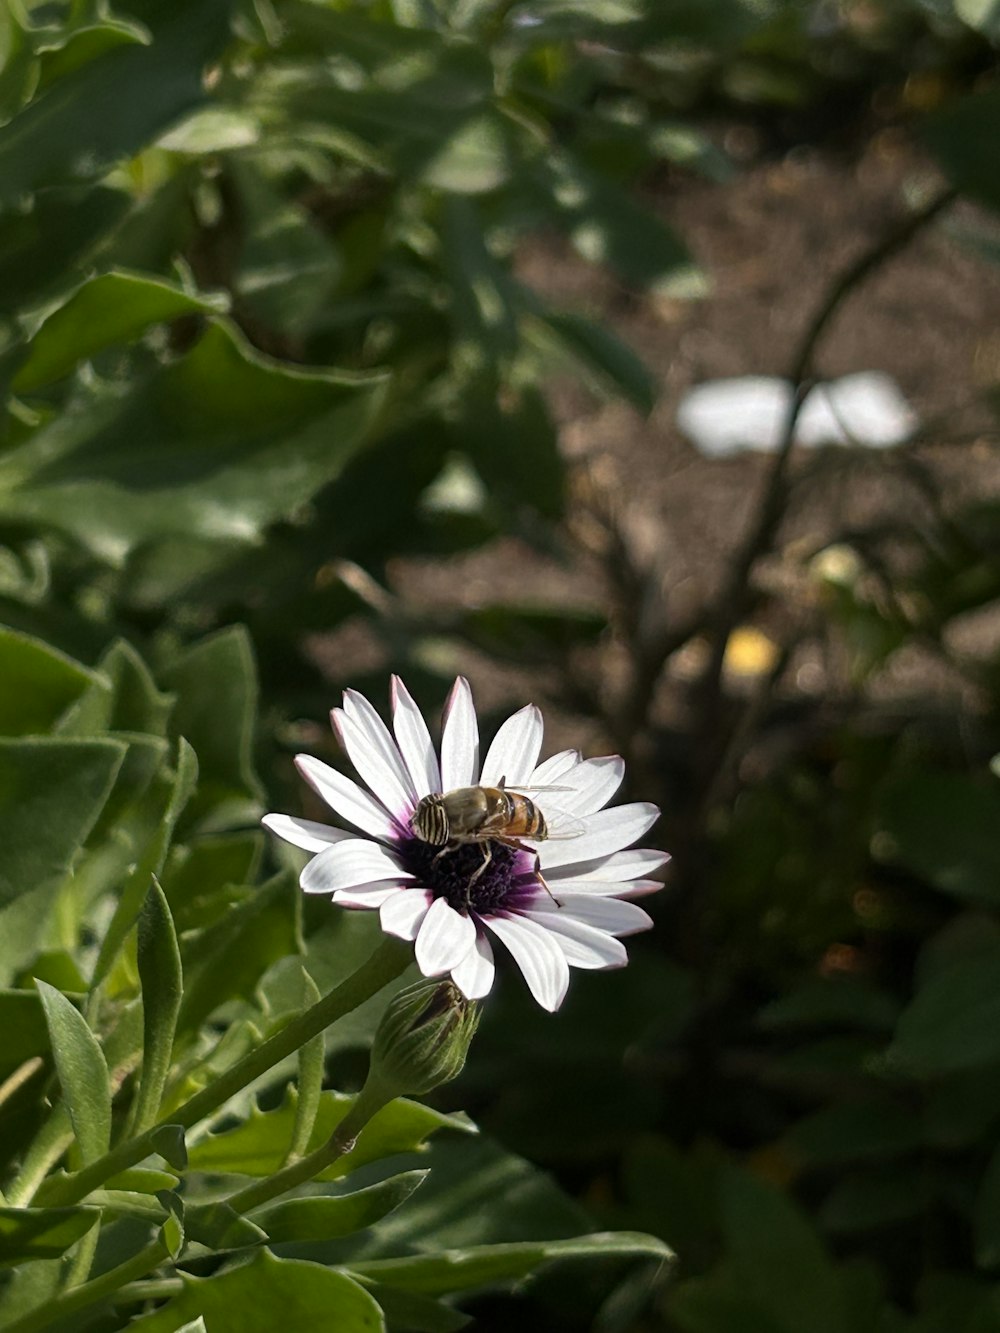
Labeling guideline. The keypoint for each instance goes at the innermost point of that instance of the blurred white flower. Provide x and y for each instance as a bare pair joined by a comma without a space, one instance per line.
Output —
453,901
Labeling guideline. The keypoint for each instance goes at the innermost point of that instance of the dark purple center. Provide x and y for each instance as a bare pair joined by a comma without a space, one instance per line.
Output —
472,876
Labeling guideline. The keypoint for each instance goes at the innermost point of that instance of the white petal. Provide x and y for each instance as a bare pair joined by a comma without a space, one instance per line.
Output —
403,914
459,739
372,895
414,741
387,777
474,974
445,937
613,915
631,864
305,833
596,888
607,831
349,864
593,783
514,751
554,767
582,945
537,955
347,798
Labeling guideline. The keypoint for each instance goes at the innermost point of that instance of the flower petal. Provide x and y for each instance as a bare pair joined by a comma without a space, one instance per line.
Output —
403,914
377,762
613,915
592,784
347,798
596,888
349,864
305,833
582,945
445,937
514,750
459,739
554,767
371,895
414,741
474,974
630,864
607,831
537,955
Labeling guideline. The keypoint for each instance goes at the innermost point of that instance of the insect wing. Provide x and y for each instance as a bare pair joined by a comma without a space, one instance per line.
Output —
561,824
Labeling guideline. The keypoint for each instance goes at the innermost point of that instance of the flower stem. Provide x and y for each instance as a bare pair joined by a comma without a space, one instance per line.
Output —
388,961
90,1293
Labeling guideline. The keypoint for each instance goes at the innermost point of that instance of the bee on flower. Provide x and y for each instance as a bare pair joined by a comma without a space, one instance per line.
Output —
454,855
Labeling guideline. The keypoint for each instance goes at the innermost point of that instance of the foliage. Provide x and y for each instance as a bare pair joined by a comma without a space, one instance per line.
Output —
262,332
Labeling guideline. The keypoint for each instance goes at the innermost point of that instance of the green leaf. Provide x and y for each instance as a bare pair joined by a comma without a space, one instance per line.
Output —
260,1145
110,309
953,1022
598,352
405,1310
124,697
876,1199
219,724
112,106
22,1021
987,1216
324,1217
267,1294
515,449
312,1061
778,1259
142,1180
43,244
162,988
943,827
823,1003
39,684
83,1073
42,1233
479,1265
219,1227
875,1128
170,1142
51,793
963,136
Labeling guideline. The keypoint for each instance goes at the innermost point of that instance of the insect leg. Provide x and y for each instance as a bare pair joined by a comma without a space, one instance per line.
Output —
487,858
522,847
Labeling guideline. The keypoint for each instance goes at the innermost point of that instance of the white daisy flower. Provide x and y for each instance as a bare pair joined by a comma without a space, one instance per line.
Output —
555,901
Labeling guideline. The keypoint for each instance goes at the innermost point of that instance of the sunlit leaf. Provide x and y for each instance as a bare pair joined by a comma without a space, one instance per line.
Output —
41,1233
83,1073
324,1217
160,975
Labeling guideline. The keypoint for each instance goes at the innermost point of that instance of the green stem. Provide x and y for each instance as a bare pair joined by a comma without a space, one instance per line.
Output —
388,961
340,1142
90,1293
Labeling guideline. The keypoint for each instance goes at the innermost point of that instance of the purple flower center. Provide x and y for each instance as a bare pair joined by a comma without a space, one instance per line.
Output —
473,876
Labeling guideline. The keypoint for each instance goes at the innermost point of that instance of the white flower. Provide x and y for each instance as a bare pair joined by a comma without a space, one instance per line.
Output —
444,899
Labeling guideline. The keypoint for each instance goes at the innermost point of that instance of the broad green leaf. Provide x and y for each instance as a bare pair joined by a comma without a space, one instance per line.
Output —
83,1073
175,792
142,1180
219,1227
107,109
312,1062
219,724
953,1022
479,1265
875,1128
867,1202
216,445
123,697
484,297
171,1143
39,684
44,240
963,137
778,1258
981,14
228,958
259,1146
598,351
943,827
607,226
110,309
416,1314
845,1002
41,1233
717,1303
197,870
162,987
515,450
268,1294
51,793
324,1217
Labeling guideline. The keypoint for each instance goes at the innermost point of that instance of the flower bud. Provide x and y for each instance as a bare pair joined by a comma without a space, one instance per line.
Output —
423,1038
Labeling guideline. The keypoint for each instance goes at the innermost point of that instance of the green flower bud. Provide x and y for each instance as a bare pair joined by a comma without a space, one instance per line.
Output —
423,1039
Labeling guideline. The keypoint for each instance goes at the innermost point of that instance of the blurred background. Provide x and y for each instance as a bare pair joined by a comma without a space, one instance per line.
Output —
639,358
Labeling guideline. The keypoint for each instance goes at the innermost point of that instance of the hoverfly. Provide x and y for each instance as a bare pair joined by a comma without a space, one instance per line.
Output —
485,815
